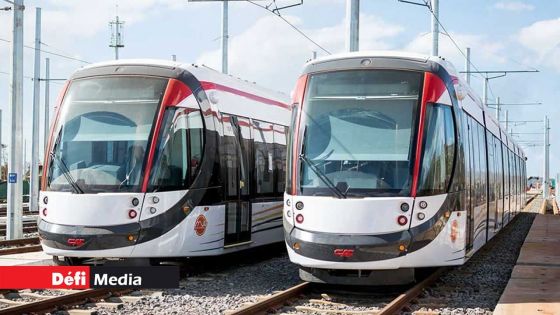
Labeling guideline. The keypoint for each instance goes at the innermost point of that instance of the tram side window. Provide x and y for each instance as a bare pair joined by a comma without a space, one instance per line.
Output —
476,161
491,167
280,133
505,159
179,149
263,136
439,151
483,166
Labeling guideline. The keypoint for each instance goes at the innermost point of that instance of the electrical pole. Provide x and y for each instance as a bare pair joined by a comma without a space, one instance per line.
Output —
34,181
352,25
116,35
14,227
497,108
47,104
435,27
225,37
313,55
507,121
174,57
468,66
546,158
485,91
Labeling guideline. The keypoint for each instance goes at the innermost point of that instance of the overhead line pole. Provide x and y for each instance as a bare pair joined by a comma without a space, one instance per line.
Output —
435,27
352,25
225,36
47,104
546,156
468,66
34,182
14,227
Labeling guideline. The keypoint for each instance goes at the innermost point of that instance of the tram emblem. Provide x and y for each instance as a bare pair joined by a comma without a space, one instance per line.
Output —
200,225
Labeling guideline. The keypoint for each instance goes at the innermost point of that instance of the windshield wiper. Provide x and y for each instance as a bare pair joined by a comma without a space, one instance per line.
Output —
323,177
66,172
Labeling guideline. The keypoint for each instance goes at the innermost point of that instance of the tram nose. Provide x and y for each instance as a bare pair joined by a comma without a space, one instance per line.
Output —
103,209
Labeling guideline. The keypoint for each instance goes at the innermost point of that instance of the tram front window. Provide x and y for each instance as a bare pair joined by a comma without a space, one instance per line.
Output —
102,134
358,131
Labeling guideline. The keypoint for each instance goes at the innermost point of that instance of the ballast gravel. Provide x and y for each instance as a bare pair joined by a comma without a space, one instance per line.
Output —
216,292
475,288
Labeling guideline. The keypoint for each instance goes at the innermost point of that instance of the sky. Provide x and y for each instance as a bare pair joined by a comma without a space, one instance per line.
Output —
502,35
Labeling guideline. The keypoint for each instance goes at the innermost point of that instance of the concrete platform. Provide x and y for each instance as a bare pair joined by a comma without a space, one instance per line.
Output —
33,258
534,287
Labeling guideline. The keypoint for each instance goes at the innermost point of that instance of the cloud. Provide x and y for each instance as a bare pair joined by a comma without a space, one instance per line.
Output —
516,6
482,47
543,39
272,54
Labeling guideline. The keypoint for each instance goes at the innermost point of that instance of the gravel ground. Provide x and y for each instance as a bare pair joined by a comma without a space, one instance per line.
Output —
476,287
25,235
215,292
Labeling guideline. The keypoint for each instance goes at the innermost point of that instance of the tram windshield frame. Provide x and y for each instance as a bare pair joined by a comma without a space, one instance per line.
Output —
359,129
103,133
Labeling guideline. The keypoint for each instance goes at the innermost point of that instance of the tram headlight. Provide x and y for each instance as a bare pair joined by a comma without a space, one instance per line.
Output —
421,216
155,199
402,220
132,213
135,202
423,204
45,200
405,207
299,205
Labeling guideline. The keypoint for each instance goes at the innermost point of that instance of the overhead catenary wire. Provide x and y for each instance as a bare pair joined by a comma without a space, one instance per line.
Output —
291,25
49,52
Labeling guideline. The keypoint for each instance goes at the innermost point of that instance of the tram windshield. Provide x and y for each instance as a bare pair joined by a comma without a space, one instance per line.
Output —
102,134
358,132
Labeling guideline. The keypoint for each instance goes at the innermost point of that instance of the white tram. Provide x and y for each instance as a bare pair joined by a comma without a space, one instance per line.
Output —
160,159
394,164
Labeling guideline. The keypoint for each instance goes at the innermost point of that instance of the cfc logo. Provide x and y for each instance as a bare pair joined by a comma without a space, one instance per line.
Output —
200,225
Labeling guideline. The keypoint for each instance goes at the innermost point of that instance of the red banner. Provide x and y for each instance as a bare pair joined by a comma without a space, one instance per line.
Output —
44,277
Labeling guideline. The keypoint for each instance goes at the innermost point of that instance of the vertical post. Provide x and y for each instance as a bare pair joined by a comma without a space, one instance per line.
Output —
485,91
435,27
34,180
14,226
314,55
1,150
174,57
546,180
117,38
47,104
352,25
507,121
498,109
468,66
225,37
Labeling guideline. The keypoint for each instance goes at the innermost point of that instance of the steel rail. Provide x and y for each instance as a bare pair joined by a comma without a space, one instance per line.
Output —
402,300
54,303
273,301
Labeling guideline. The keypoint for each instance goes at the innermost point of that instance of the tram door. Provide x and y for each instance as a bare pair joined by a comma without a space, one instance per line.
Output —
237,135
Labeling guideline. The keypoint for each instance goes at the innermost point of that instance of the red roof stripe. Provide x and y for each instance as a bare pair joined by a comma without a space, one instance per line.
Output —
216,86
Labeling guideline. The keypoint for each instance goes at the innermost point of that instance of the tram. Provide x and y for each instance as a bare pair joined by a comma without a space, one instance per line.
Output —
394,165
159,159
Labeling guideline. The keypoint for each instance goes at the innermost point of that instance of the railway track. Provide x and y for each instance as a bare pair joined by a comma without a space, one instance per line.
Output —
18,246
278,301
28,227
26,302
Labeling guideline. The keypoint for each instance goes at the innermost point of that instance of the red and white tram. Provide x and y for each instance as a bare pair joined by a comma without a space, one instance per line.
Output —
394,164
158,159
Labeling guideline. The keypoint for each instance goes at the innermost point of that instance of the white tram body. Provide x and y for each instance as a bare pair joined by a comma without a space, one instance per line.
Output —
394,164
159,159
